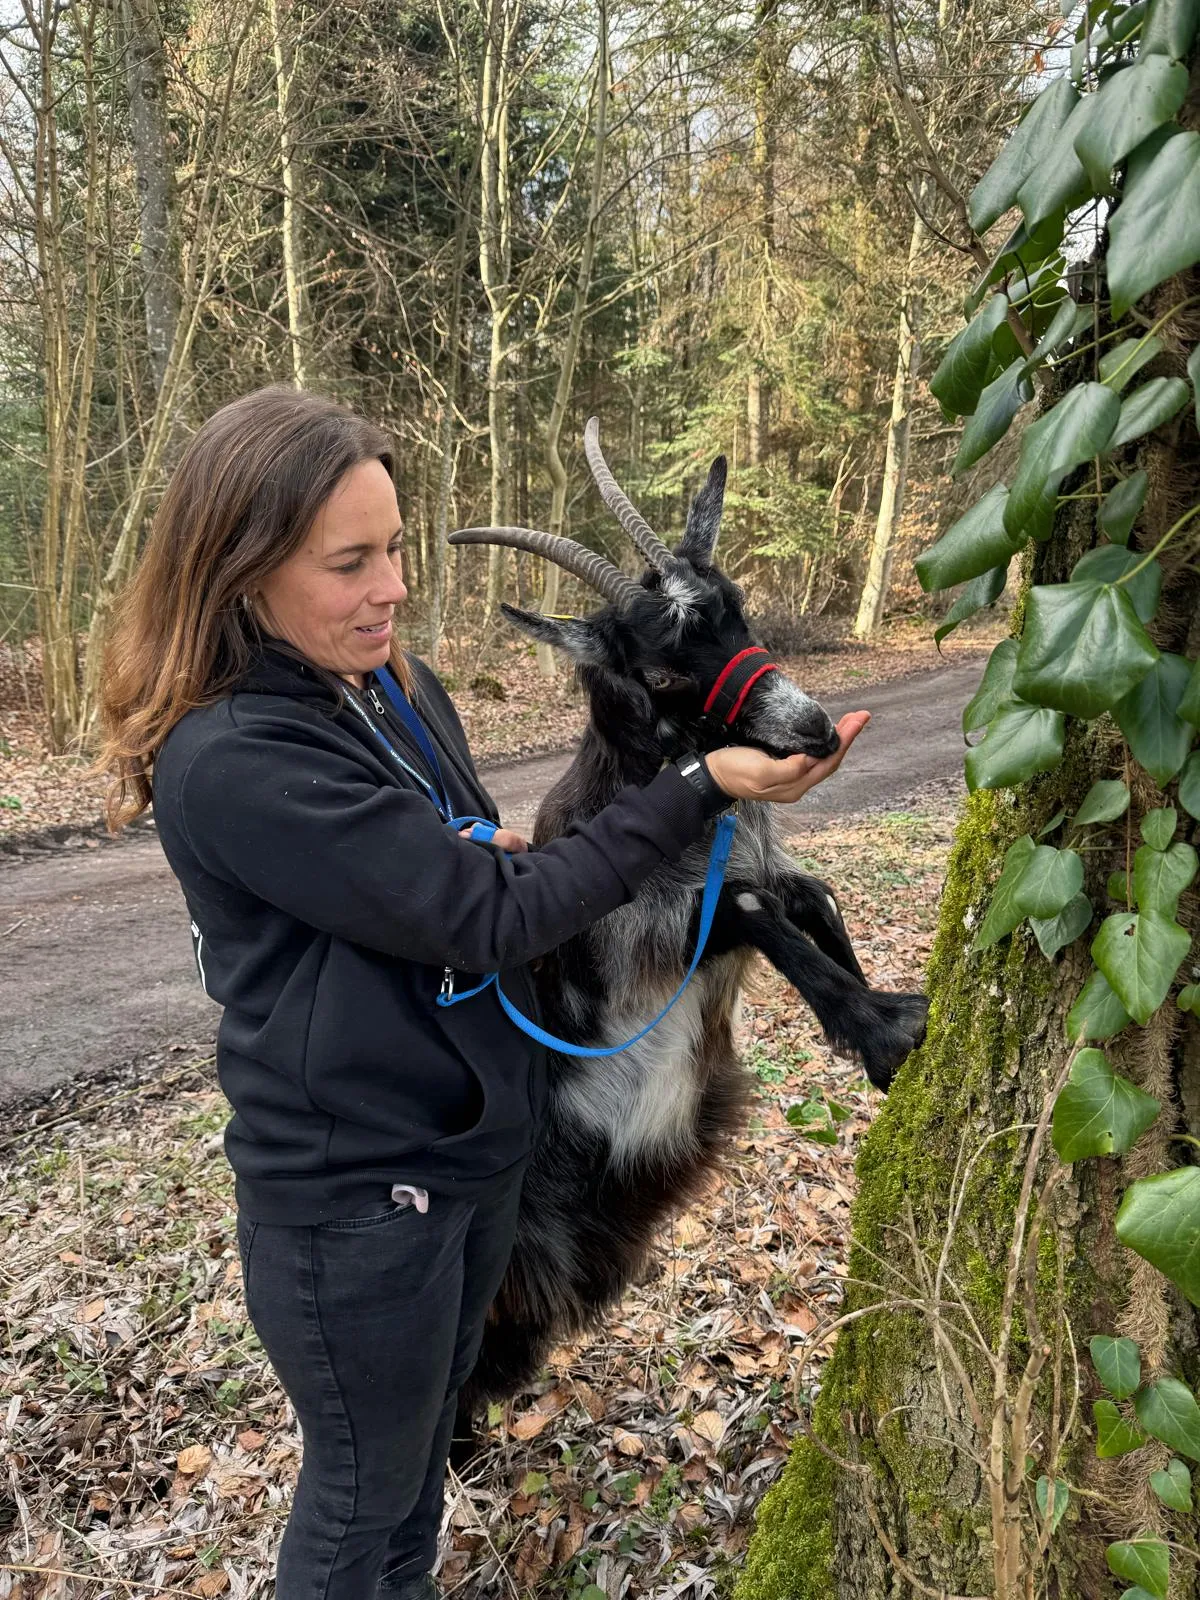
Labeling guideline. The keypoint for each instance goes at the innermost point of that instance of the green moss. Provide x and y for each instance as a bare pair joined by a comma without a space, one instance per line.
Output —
791,1556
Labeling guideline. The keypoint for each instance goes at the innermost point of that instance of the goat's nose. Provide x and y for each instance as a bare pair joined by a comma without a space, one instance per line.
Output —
821,738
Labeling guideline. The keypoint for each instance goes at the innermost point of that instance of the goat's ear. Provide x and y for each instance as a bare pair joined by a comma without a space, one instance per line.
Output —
575,635
704,519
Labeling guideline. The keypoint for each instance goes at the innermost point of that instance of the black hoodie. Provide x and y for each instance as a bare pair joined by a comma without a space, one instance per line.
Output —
327,899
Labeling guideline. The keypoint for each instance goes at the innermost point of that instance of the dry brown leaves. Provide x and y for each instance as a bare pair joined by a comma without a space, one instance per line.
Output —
146,1442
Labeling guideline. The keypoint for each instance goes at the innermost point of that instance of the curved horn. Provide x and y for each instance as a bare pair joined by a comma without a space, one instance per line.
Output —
619,503
595,570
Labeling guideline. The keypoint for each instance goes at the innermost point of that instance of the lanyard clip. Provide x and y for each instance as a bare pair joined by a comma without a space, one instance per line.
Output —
446,993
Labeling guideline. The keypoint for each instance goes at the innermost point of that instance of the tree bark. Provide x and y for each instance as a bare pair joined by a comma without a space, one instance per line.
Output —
895,462
919,1501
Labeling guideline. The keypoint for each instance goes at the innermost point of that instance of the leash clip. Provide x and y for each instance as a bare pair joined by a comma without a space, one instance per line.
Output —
446,993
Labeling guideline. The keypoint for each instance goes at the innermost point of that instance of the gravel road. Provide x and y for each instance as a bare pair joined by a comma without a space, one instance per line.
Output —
96,969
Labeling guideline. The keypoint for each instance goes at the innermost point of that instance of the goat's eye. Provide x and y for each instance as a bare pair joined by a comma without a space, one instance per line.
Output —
663,681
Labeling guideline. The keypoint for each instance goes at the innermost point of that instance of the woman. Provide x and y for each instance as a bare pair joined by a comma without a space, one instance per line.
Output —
378,1140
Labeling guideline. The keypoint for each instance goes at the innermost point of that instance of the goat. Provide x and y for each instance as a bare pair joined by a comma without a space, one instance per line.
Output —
629,1139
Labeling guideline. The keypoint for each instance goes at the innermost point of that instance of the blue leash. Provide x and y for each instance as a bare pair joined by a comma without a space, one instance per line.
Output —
483,831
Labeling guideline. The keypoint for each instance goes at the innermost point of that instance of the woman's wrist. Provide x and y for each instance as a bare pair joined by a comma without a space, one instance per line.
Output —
694,768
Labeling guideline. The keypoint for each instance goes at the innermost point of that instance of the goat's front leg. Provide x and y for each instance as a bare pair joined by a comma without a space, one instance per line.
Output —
880,1027
811,905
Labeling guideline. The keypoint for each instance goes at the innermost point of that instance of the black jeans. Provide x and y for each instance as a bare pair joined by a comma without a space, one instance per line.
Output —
372,1323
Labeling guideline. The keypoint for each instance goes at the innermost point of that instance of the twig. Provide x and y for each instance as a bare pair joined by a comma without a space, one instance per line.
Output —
902,1566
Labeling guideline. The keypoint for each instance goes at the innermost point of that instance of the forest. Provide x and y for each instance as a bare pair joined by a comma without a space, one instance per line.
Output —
929,276
480,224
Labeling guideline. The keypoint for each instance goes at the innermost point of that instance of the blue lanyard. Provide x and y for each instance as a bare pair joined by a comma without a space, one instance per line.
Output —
718,860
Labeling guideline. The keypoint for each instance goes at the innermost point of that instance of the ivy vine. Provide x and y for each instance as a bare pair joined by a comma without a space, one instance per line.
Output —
1104,135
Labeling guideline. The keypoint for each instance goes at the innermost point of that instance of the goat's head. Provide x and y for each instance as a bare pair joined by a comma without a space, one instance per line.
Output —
679,639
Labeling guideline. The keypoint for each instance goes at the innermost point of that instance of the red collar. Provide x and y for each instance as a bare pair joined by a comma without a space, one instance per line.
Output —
734,682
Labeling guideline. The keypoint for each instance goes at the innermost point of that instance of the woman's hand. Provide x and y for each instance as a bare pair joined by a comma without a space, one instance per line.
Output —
747,774
503,839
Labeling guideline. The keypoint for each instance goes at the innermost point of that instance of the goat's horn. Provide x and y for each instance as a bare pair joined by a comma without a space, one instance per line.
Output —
622,507
595,570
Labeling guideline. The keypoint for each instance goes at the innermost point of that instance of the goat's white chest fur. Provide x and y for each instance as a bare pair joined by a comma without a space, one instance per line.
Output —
644,1100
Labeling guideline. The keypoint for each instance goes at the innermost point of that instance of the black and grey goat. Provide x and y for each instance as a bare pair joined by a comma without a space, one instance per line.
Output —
628,1139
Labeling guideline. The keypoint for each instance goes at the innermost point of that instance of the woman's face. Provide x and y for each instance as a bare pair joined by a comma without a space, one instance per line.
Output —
335,596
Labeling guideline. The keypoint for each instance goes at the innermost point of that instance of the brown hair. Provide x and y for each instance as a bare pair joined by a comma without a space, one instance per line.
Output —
246,491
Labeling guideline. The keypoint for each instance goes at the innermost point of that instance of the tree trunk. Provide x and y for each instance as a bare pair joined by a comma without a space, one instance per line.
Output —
758,395
299,332
495,268
154,177
566,371
914,1493
895,462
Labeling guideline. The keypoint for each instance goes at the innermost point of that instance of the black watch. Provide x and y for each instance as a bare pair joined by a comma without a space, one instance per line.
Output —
694,768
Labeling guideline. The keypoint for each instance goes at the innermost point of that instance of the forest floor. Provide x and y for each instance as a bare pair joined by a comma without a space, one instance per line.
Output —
509,712
151,1453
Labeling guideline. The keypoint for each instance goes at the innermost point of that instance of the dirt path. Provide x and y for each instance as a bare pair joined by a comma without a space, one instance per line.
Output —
96,969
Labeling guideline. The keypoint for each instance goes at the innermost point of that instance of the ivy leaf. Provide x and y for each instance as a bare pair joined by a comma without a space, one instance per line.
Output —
1149,718
1114,1436
995,687
963,370
1097,1013
1109,563
973,545
1189,786
1127,359
976,596
1002,913
1020,740
1188,998
1055,933
1055,187
1034,142
1155,231
1127,108
1167,1409
1189,706
1149,407
1069,320
979,593
1173,1485
1076,429
1098,1112
1118,1364
1083,648
1158,826
1193,366
1140,954
1170,27
1161,876
1119,508
998,405
1105,801
1049,827
1062,1494
1051,879
1146,1562
1117,887
1031,260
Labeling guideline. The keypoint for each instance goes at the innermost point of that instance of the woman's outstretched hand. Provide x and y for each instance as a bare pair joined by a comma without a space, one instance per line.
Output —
748,774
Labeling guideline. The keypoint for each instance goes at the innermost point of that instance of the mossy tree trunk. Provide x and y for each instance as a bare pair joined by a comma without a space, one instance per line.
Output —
996,1044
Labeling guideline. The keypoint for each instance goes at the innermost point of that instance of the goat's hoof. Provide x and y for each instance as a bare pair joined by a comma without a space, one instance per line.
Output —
900,1028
